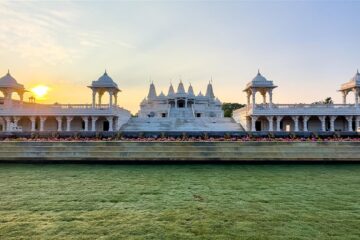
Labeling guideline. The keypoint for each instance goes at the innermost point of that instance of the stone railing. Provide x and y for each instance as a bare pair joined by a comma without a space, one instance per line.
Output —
33,109
298,109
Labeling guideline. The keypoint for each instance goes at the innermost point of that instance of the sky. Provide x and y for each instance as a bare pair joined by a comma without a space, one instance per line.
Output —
308,48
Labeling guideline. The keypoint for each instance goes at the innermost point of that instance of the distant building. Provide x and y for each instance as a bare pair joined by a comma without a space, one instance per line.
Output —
18,115
267,116
181,104
181,111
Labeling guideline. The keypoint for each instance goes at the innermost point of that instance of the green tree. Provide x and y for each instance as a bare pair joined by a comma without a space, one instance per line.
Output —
228,108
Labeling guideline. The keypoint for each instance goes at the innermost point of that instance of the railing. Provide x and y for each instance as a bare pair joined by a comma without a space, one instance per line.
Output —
267,106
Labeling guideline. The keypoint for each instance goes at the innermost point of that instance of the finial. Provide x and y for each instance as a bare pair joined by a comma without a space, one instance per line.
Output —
357,72
8,71
259,71
211,80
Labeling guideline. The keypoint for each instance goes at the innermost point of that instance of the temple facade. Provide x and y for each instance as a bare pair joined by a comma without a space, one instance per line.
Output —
181,104
267,116
22,116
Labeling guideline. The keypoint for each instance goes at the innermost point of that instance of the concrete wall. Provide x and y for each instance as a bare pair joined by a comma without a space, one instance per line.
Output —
179,151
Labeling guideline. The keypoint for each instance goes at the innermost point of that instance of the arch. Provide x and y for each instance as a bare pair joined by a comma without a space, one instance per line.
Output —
100,123
314,124
50,124
25,124
77,124
287,124
340,124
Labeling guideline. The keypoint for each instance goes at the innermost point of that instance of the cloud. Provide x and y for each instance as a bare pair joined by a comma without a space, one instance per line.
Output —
40,32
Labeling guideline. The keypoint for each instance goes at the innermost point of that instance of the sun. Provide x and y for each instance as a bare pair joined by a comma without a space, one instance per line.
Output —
40,91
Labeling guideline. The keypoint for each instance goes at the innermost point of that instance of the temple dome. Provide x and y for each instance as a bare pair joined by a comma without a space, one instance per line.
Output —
180,89
8,81
259,78
171,90
191,91
105,81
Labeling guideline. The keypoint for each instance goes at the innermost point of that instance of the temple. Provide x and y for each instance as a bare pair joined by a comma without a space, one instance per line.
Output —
181,110
178,110
316,117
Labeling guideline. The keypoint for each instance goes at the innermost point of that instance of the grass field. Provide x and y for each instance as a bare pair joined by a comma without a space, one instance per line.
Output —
179,201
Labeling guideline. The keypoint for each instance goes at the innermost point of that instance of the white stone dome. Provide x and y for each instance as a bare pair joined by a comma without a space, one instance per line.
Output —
8,81
105,81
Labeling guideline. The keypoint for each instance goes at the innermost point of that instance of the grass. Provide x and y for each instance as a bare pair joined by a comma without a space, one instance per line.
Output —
179,201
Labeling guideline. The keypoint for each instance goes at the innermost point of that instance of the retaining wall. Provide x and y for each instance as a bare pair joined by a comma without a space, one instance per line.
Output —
178,151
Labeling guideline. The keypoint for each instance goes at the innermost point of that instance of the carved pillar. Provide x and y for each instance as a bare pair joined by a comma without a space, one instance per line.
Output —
332,123
248,94
349,120
264,97
344,93
33,124
270,98
116,99
86,123
296,123
42,123
110,99
357,123
59,123
8,124
253,122
110,120
100,94
93,123
253,97
356,92
278,121
305,121
68,123
271,123
93,98
323,119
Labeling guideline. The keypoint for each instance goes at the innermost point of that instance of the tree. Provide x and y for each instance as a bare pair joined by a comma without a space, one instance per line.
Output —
228,108
327,100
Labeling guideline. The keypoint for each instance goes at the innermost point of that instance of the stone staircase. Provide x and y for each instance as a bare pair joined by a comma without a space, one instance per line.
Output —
178,151
182,124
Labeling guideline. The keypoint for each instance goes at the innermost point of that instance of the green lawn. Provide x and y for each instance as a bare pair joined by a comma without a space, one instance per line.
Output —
179,201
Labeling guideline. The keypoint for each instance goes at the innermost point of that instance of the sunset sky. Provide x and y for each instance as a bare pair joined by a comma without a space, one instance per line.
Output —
307,48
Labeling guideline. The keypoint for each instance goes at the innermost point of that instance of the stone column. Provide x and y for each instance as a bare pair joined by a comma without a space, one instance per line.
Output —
349,120
253,97
278,121
186,103
270,98
93,123
271,123
356,92
264,98
344,93
305,121
322,119
100,96
93,98
8,123
357,122
332,123
68,123
59,122
86,123
110,120
21,95
33,123
110,99
42,123
116,99
248,98
296,123
253,121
